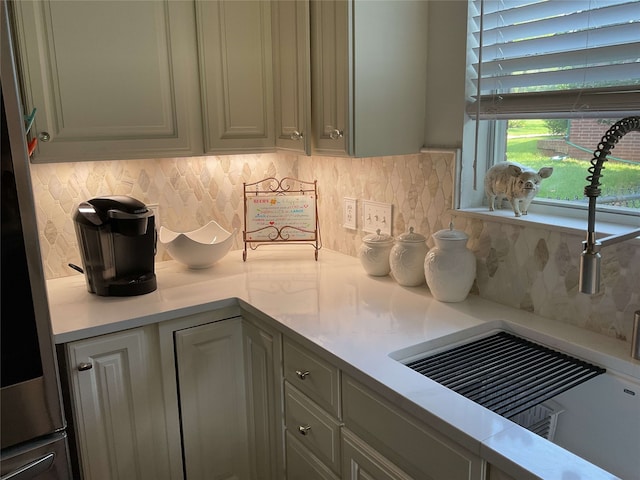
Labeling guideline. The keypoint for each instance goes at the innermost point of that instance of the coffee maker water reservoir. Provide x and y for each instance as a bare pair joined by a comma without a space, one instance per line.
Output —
117,239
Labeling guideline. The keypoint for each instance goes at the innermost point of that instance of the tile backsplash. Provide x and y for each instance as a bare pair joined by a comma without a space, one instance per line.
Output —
524,267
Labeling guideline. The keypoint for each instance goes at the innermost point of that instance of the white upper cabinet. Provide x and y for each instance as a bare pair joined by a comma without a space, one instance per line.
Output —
369,75
292,75
165,78
236,71
330,77
110,79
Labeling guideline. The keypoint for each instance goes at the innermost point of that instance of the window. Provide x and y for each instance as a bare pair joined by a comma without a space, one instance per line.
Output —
546,80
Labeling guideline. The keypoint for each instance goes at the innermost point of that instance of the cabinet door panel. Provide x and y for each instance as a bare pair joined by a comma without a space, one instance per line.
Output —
304,465
110,79
330,76
292,92
389,77
361,462
213,406
368,77
117,407
236,74
262,350
417,448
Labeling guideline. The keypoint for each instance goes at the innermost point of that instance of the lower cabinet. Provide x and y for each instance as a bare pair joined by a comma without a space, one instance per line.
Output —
361,462
223,411
304,465
337,427
212,399
415,447
117,406
314,428
192,398
311,414
222,394
494,473
262,372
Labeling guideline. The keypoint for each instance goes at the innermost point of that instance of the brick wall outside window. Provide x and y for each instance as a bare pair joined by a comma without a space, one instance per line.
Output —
588,132
584,136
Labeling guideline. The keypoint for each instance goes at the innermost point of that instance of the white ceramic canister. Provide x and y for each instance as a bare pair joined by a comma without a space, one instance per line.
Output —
407,259
374,253
450,267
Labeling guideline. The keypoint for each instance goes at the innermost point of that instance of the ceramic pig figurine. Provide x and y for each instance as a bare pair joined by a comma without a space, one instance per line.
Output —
516,183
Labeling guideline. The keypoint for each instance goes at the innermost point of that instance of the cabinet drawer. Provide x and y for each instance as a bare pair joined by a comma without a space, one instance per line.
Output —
312,426
419,450
304,465
365,463
314,376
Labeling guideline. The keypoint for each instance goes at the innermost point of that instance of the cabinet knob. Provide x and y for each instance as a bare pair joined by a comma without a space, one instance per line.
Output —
304,429
296,135
302,374
335,134
44,136
85,366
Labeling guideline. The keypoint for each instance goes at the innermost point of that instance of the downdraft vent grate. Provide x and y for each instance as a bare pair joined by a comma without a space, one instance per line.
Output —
505,373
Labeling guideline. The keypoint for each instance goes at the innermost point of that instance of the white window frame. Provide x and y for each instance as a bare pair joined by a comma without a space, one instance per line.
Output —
569,217
475,159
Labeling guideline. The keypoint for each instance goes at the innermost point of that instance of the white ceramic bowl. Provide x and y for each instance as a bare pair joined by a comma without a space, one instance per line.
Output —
199,248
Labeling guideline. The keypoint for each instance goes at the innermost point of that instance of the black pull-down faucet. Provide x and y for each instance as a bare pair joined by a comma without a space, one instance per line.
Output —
590,258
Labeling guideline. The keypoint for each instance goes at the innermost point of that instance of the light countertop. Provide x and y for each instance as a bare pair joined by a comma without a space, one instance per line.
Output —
360,321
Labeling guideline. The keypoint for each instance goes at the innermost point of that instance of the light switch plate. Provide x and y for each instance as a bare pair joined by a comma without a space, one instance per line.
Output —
376,216
349,213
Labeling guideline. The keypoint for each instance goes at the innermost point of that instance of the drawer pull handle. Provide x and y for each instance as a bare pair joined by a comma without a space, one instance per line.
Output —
304,429
85,366
302,374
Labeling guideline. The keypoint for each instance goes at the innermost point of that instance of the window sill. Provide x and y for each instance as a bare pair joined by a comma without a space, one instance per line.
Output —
551,222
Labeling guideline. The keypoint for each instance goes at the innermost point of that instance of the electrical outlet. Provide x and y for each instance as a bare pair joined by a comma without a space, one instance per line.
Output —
376,216
349,213
155,208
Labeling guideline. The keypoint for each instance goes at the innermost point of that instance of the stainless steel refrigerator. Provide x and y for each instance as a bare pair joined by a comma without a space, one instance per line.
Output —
33,437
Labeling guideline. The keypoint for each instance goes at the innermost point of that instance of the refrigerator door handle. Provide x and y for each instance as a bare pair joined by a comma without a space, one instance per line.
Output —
30,470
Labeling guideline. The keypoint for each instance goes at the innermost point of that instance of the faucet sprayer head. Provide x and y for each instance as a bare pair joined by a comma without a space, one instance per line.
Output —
590,260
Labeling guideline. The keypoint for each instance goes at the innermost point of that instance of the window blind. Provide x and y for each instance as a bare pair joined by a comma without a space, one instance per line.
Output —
554,58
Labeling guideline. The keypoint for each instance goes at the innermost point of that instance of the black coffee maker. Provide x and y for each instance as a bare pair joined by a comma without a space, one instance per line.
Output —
117,239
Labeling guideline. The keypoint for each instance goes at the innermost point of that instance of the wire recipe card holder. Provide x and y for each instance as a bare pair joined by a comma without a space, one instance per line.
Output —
281,211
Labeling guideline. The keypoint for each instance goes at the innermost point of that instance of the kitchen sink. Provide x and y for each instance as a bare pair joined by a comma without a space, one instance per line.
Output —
598,420
459,337
503,371
467,335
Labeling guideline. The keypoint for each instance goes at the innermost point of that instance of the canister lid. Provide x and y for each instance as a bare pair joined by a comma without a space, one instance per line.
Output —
411,237
450,234
378,238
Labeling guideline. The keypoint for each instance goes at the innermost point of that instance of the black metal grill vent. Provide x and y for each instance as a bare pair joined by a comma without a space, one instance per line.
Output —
505,373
